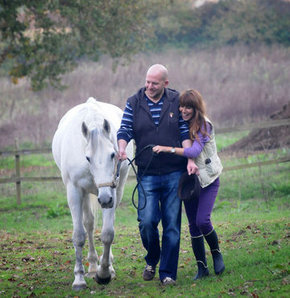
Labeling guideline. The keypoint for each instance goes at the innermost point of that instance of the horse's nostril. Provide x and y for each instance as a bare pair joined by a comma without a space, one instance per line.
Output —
108,203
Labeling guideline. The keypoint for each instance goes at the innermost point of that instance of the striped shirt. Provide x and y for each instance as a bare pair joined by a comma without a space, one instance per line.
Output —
125,131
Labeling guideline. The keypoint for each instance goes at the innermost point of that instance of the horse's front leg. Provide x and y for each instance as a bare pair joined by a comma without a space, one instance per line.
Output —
105,271
74,197
89,223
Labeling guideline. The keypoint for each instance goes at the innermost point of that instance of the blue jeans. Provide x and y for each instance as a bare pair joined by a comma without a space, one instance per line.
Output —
162,203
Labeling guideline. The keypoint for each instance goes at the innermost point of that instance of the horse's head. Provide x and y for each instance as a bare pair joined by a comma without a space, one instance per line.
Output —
101,155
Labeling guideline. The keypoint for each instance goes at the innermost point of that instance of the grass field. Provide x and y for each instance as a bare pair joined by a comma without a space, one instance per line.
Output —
251,216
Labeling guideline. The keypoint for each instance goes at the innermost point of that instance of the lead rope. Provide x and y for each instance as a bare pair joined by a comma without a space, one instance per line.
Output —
139,178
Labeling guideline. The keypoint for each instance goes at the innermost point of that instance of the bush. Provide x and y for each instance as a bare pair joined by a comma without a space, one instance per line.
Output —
226,23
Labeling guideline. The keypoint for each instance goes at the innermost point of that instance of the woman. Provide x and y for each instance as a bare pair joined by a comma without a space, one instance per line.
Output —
204,153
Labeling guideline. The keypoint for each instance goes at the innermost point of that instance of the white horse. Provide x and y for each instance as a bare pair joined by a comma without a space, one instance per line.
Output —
84,148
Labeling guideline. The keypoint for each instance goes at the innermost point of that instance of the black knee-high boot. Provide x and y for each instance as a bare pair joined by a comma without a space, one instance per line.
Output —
199,252
218,262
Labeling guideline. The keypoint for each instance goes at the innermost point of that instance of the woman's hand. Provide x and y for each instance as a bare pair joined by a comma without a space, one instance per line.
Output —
192,168
158,149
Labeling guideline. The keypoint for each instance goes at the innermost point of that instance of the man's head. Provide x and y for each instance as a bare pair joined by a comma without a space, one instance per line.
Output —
156,81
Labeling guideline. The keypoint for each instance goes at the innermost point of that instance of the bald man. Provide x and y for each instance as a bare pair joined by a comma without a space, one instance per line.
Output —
152,116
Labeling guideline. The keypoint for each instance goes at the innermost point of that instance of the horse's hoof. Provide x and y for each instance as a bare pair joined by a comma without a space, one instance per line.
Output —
102,281
79,287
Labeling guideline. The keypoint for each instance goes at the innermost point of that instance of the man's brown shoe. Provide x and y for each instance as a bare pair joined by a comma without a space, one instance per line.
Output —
168,281
148,273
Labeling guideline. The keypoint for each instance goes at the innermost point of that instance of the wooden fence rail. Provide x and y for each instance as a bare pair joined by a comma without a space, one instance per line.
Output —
17,179
266,124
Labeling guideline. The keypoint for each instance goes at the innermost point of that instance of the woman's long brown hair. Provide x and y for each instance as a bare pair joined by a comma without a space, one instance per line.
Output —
192,99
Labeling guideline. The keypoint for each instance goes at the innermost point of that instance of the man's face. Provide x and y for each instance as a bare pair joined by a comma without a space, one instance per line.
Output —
155,85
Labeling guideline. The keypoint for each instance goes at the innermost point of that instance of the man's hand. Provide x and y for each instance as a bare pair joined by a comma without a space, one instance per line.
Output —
122,155
192,168
122,144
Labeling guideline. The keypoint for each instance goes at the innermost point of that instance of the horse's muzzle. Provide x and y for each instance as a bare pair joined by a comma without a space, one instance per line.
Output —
108,204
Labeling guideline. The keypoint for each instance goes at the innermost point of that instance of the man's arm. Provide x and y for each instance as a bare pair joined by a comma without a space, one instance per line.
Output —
125,132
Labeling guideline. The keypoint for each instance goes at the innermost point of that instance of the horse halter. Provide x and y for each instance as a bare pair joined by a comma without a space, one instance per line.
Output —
114,182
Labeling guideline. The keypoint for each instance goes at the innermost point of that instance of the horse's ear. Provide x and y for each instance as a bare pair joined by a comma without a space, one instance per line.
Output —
85,130
106,126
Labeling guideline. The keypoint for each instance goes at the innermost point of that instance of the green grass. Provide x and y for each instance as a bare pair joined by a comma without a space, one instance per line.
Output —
251,217
28,161
227,139
40,261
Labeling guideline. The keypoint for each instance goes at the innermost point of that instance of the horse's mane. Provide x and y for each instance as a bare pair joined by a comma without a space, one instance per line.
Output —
92,118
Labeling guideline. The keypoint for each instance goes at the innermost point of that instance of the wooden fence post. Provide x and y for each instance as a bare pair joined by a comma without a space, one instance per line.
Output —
264,191
18,181
17,172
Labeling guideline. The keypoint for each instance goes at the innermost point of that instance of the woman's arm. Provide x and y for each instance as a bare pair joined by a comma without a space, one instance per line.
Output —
174,150
191,166
189,152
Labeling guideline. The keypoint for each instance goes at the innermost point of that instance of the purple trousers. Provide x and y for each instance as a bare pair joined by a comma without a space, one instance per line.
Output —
199,211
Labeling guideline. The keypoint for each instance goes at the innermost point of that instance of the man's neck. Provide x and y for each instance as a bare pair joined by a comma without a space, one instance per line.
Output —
155,100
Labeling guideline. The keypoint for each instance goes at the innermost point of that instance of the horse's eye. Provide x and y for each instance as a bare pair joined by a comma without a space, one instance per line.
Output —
88,159
112,155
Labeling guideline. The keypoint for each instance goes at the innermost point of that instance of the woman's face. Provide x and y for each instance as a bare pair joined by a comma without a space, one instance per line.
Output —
186,113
